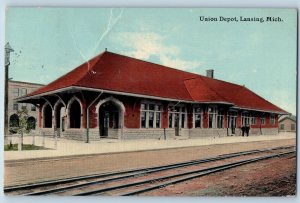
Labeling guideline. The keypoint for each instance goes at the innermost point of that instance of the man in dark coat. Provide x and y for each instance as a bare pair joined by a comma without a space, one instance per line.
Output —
243,130
247,129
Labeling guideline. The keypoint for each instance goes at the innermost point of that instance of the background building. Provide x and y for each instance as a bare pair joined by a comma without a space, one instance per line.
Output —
287,123
18,89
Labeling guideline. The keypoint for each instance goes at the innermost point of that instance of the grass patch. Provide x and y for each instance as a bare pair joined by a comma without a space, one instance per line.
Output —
14,147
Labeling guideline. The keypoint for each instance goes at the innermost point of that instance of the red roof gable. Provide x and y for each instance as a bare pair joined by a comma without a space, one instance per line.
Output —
114,72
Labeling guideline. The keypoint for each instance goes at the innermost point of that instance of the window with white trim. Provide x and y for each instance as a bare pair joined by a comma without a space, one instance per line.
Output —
24,106
293,126
150,115
232,119
212,117
23,92
15,106
253,119
220,119
272,119
177,115
262,120
197,117
33,107
245,119
15,92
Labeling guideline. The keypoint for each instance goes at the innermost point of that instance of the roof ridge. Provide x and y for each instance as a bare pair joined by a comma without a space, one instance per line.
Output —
161,66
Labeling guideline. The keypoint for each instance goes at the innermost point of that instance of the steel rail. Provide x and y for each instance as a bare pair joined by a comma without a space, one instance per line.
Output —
130,173
142,172
197,173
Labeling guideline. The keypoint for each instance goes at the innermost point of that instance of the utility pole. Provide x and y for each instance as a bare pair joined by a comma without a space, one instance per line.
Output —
8,49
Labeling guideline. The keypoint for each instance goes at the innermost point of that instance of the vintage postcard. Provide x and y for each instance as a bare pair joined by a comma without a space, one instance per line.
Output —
150,101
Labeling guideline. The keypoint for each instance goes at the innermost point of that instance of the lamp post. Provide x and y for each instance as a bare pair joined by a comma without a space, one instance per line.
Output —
8,49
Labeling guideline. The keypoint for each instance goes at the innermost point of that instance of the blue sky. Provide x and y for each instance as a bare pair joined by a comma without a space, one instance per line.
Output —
49,42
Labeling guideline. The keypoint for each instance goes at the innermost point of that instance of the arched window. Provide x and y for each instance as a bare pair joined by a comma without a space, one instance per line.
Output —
13,123
47,116
75,114
14,120
31,123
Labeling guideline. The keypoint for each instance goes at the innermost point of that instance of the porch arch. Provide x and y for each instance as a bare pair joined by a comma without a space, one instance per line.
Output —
47,113
118,104
59,113
74,113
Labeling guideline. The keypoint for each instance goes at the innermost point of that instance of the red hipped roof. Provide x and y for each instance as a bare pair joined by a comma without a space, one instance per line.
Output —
114,72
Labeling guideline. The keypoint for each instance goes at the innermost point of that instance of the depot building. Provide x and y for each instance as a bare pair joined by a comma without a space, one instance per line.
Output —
115,96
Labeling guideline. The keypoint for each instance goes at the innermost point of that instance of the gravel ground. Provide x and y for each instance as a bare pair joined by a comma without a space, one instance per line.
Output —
274,177
41,170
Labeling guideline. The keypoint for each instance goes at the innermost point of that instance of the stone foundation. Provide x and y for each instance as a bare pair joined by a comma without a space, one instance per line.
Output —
154,133
205,132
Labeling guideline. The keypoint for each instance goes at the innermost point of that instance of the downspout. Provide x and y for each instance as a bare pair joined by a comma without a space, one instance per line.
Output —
88,118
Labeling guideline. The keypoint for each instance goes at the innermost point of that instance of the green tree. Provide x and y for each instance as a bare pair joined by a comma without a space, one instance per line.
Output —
22,128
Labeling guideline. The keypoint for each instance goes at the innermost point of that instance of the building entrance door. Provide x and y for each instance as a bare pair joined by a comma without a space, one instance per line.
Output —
232,124
104,124
108,118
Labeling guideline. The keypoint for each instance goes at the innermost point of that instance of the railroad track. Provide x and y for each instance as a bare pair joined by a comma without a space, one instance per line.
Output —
133,182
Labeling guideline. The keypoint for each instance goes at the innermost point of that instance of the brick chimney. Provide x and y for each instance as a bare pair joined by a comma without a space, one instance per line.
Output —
210,73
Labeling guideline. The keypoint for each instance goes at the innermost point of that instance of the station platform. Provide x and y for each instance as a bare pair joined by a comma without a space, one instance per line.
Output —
67,148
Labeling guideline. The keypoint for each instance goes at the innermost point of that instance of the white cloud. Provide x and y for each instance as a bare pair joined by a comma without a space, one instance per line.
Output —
143,45
178,63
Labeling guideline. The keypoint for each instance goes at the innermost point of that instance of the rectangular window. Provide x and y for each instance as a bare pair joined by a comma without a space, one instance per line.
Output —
232,118
197,120
157,119
220,120
281,126
151,120
210,121
157,107
150,115
262,120
272,120
151,107
15,92
143,119
245,119
24,105
177,116
293,128
253,119
170,120
197,116
182,120
16,106
33,108
212,117
23,92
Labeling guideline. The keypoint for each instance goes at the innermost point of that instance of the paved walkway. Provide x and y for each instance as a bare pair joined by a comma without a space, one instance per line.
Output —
74,148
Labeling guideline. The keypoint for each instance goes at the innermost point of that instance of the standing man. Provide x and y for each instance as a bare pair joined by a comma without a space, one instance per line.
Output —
243,130
247,130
